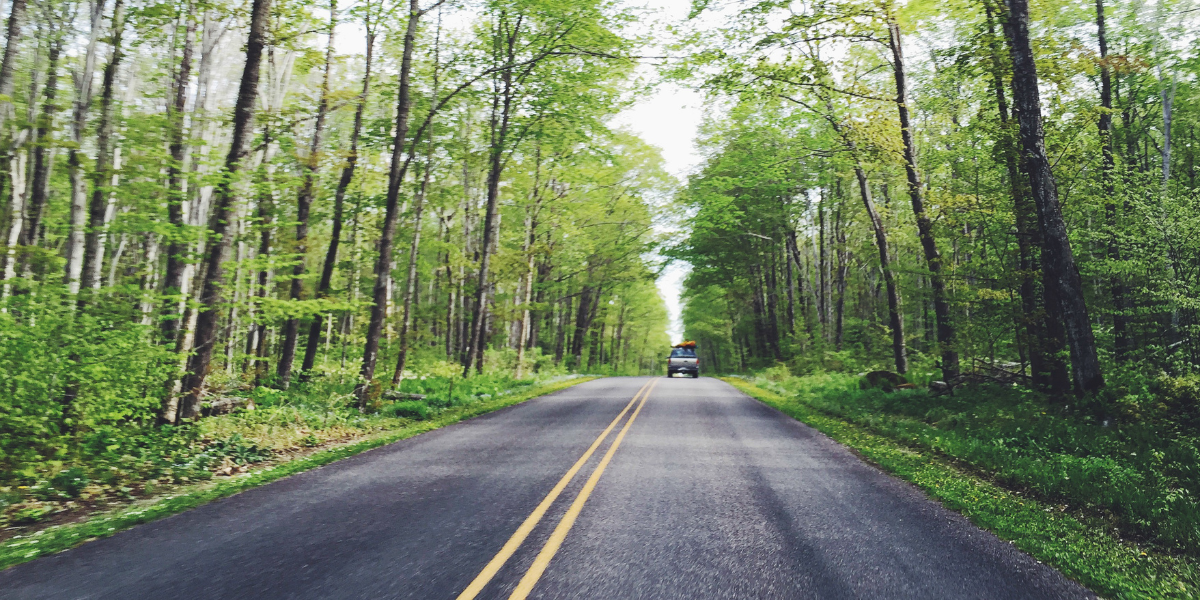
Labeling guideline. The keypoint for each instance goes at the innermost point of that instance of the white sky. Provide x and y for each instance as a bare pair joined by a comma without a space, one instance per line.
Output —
669,118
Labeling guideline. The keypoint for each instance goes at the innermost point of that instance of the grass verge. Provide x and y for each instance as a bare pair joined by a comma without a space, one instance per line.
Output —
56,539
1080,547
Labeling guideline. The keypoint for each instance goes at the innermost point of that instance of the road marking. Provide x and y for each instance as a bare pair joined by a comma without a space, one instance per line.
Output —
535,517
568,520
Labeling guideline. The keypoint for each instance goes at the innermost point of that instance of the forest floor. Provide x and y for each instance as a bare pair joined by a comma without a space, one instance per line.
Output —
220,456
1108,505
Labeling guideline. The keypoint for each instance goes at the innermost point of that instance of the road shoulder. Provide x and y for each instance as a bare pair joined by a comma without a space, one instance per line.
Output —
1077,546
20,549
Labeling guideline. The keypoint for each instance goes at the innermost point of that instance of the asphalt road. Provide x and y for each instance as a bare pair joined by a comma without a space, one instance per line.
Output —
706,494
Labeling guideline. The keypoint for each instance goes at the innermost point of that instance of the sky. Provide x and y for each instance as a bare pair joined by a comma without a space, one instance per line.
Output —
669,118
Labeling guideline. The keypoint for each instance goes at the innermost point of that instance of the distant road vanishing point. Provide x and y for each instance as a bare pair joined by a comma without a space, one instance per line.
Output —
617,488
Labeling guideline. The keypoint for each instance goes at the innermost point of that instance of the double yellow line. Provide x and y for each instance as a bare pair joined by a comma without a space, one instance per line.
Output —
568,520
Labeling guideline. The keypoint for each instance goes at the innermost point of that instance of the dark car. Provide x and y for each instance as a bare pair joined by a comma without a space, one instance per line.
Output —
683,360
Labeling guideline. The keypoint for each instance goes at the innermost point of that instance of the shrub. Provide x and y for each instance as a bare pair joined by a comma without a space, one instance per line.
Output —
411,409
70,482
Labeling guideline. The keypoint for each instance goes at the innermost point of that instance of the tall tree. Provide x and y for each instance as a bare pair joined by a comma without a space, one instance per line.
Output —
410,284
339,195
291,327
933,257
1064,286
212,293
93,250
396,173
176,184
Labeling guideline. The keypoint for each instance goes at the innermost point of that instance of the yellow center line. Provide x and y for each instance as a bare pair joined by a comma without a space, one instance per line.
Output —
568,520
535,517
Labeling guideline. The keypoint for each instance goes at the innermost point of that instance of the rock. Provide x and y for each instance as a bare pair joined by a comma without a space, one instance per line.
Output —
394,395
226,405
884,380
939,387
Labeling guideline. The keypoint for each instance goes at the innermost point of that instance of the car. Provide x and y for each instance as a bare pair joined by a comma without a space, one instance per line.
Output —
683,359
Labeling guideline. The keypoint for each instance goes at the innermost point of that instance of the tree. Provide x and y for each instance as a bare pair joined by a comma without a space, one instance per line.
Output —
211,295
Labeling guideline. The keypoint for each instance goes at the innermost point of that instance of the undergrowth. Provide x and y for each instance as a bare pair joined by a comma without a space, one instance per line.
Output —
1082,546
1142,475
106,463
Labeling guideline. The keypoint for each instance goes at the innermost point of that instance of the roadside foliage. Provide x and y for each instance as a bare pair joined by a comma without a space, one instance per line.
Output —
996,202
322,218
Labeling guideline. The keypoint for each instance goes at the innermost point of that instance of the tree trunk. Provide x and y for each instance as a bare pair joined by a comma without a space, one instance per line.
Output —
1063,285
387,237
895,317
93,254
211,294
501,119
12,46
291,327
1121,344
523,333
843,266
83,101
410,288
176,182
43,153
339,199
1049,372
933,258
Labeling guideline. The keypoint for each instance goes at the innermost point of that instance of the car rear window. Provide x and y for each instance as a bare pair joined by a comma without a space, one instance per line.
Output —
683,353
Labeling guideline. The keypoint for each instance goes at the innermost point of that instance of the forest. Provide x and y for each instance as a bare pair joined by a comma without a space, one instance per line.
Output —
1008,186
238,233
991,203
312,209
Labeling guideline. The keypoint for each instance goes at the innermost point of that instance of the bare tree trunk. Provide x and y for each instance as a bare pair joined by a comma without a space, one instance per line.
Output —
1063,284
339,199
211,295
500,122
1049,373
822,261
17,165
843,266
387,237
895,316
291,327
410,288
523,333
933,258
266,216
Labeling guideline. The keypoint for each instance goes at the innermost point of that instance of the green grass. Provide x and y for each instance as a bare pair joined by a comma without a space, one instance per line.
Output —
55,539
1081,546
